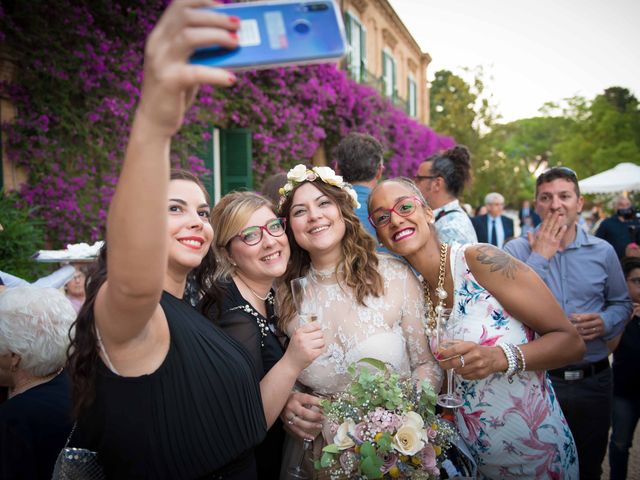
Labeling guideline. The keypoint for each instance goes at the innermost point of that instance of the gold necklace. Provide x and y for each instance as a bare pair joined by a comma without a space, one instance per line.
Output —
440,292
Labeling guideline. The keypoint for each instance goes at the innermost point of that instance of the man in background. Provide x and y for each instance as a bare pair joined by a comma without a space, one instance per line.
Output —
360,161
441,180
494,227
584,275
621,228
527,211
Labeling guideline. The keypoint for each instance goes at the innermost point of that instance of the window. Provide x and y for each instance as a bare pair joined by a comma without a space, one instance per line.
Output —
412,97
388,74
357,56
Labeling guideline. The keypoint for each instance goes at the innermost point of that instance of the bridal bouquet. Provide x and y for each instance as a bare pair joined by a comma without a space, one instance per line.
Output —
383,427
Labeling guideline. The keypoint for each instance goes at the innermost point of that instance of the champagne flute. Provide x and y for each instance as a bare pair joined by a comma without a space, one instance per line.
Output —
446,336
304,299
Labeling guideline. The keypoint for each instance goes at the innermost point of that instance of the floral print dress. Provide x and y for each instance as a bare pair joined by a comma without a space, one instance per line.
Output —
514,430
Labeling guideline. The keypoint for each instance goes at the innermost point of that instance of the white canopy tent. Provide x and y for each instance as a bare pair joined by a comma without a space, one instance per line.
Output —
623,177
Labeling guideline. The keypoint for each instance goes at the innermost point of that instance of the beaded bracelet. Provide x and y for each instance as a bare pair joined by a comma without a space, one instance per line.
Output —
523,363
511,360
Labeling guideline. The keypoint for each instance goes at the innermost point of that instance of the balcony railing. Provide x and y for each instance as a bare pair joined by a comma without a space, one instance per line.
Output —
368,78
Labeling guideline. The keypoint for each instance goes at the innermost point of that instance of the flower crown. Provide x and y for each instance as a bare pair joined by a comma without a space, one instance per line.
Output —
300,173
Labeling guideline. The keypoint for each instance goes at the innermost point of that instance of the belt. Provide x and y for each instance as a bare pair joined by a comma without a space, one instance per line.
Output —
578,372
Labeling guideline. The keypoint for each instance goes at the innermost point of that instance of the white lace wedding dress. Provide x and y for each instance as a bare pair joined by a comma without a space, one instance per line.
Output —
389,328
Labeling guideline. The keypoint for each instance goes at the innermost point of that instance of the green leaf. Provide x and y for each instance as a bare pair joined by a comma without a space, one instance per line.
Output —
326,460
331,448
370,466
384,443
367,450
374,363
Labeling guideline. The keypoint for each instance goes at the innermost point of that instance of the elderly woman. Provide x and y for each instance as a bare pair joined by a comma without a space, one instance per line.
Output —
35,421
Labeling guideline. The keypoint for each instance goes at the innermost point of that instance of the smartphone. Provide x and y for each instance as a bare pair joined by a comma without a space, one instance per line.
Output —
277,33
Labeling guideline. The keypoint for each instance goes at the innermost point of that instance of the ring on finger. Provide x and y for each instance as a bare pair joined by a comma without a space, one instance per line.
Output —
461,361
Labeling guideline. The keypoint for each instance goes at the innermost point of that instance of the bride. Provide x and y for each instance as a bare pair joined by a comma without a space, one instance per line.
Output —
369,305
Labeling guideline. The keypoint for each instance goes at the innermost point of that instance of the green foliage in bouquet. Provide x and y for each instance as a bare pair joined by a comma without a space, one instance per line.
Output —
384,426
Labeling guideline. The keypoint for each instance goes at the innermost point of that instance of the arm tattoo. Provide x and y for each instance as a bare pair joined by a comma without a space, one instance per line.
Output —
499,261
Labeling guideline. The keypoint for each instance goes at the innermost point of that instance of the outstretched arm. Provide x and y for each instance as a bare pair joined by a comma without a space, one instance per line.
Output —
137,222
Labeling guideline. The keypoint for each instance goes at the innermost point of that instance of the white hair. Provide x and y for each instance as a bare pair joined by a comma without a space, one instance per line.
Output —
617,200
493,197
35,323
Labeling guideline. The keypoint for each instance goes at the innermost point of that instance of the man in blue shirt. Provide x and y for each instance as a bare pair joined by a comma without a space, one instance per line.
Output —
360,161
585,276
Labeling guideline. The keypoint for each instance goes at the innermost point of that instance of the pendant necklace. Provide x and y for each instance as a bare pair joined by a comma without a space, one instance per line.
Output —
432,312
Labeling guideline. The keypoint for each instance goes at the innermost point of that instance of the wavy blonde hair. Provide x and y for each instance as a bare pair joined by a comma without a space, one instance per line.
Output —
359,259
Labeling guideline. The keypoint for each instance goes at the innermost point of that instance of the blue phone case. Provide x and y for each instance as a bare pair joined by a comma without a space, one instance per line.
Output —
278,33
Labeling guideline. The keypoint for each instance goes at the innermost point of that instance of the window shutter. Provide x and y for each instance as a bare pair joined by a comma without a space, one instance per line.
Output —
235,160
348,30
207,154
394,88
384,72
363,54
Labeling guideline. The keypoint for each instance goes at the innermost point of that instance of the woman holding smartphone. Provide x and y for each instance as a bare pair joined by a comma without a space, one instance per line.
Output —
512,330
159,391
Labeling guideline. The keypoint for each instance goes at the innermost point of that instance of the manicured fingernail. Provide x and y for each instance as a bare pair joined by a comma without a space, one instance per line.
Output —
235,20
231,78
234,35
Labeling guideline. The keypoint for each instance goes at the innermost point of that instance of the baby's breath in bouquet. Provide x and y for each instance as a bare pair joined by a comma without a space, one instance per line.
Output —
384,426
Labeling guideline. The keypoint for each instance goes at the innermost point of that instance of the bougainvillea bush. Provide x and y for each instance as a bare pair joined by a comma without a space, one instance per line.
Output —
78,70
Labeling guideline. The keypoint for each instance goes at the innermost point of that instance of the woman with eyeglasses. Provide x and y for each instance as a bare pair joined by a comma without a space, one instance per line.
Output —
370,305
512,330
159,391
252,252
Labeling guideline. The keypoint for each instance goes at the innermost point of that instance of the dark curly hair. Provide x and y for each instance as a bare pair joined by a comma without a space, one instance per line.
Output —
454,166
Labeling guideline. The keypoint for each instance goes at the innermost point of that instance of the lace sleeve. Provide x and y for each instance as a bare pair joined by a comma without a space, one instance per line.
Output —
423,365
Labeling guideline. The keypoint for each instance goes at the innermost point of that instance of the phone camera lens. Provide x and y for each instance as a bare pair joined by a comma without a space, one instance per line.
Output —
317,7
302,26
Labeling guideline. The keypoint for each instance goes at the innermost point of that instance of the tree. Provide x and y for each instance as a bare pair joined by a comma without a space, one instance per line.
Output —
514,153
459,109
604,132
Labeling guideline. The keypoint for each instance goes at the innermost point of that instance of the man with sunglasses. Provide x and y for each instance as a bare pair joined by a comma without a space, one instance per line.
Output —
584,275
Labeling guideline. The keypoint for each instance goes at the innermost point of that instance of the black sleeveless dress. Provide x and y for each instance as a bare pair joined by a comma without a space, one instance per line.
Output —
199,415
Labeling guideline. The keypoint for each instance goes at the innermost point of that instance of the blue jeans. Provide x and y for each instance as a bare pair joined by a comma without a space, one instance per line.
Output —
624,418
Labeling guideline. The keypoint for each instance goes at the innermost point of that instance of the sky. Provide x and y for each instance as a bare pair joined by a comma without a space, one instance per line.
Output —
532,51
